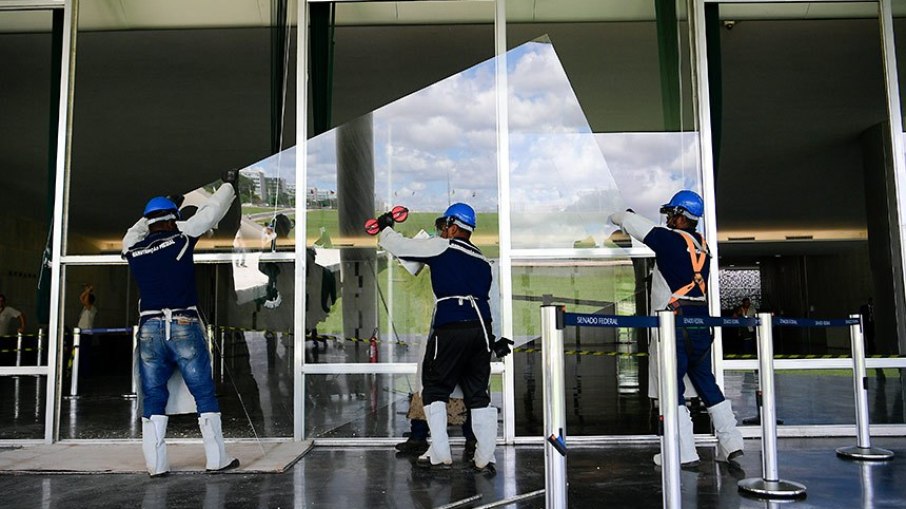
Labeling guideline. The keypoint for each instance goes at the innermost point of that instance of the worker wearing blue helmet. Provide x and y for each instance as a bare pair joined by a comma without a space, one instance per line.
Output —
159,248
460,342
680,283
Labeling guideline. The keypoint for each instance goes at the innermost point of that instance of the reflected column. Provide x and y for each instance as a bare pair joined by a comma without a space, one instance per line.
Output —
355,201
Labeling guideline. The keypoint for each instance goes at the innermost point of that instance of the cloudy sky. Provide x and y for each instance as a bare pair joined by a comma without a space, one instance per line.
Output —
438,146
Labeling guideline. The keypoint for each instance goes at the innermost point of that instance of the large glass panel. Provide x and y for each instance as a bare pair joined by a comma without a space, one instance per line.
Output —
592,133
415,116
606,371
829,146
356,406
162,111
26,130
251,348
798,393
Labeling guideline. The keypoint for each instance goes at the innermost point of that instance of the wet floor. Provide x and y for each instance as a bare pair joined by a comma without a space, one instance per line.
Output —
606,476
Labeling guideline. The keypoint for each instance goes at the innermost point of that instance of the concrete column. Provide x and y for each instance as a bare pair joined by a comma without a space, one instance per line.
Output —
355,200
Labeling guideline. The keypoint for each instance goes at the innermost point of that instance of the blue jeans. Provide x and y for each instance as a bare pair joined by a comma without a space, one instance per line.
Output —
693,358
186,349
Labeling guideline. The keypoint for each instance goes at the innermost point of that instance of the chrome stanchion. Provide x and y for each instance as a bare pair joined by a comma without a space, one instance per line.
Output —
133,388
863,450
40,348
18,349
211,346
554,407
769,485
222,343
74,381
669,407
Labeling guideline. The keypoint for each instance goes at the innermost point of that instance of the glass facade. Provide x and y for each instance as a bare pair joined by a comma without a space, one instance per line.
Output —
26,159
599,113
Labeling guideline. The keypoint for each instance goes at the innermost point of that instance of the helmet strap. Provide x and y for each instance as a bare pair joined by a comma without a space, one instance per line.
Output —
166,217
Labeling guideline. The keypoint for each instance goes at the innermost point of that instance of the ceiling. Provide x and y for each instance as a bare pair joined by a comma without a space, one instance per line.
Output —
154,107
97,15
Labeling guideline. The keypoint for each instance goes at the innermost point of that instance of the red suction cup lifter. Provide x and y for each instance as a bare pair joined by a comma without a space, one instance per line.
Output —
399,213
371,227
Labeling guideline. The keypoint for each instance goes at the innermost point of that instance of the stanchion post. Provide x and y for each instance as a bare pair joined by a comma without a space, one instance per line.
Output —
769,485
669,407
222,343
863,449
74,382
211,346
135,354
18,349
40,348
554,407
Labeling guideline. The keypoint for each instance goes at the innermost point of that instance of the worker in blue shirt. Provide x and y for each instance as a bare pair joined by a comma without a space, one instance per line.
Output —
159,249
680,283
460,343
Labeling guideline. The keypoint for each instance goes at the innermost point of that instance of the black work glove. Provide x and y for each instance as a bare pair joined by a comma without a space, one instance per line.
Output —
231,177
501,347
177,199
385,220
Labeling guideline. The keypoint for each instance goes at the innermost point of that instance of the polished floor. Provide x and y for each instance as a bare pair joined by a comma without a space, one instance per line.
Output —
606,476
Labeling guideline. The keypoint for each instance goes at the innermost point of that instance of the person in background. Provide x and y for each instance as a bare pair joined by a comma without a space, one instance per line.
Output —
8,315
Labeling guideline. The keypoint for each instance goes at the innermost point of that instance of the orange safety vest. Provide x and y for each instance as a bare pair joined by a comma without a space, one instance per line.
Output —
697,257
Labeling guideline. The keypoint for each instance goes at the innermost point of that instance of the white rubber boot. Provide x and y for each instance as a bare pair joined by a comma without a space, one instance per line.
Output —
688,454
484,425
729,439
215,453
438,454
154,430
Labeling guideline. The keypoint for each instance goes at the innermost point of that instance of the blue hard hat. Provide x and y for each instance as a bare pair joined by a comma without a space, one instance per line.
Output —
160,204
689,201
461,213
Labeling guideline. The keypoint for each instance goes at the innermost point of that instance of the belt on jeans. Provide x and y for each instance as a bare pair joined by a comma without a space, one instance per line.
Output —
168,315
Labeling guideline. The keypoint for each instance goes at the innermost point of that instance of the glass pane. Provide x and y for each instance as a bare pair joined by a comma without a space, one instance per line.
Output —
592,133
419,132
796,390
622,135
339,406
160,112
26,84
252,356
799,251
606,370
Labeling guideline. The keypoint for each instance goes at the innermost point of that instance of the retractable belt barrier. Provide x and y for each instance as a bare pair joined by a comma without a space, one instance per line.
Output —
554,319
77,334
20,338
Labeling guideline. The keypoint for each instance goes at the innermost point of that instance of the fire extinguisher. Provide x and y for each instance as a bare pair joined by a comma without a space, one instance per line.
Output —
372,347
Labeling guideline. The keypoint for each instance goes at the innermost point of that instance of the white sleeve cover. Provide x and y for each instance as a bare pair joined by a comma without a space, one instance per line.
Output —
210,213
637,226
406,248
135,233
